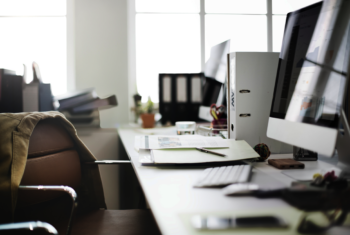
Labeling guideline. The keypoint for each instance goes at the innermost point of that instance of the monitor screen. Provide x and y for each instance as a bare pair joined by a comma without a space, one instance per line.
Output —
311,78
216,66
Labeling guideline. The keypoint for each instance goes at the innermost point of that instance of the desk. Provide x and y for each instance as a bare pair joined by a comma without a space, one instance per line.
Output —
170,193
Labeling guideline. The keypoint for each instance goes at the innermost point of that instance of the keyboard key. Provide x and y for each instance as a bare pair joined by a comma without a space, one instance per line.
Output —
225,175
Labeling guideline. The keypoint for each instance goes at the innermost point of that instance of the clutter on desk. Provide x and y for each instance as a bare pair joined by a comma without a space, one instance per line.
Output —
263,151
308,174
180,96
209,130
185,128
300,154
237,151
178,142
219,116
81,107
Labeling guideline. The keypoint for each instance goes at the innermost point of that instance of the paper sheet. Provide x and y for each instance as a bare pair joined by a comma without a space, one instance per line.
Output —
178,142
238,150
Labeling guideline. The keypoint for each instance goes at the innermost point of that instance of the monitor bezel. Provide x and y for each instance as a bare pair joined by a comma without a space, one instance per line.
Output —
280,115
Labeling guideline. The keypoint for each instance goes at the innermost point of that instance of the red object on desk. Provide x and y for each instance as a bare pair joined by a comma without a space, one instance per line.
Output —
216,112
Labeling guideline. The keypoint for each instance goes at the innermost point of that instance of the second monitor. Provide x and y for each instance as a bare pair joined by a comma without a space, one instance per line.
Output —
312,76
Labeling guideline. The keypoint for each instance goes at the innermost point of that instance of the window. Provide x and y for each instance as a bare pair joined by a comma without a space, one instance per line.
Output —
35,30
175,36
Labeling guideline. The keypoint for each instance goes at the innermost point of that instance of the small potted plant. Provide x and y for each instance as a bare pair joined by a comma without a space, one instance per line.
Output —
148,115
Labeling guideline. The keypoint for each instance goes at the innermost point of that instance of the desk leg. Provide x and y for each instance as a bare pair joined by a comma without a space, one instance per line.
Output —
131,194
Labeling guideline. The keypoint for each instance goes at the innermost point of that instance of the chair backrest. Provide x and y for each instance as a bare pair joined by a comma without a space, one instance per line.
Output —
52,160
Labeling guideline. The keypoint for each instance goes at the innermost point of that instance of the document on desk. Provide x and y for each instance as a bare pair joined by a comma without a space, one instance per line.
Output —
178,142
237,150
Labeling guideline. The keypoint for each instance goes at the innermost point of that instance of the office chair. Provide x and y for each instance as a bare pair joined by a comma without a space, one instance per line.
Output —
53,161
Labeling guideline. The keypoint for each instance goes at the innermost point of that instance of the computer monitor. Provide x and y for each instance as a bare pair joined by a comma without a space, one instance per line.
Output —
312,77
214,91
215,74
216,66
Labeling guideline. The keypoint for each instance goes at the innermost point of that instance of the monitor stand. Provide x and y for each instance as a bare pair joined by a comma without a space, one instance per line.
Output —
343,146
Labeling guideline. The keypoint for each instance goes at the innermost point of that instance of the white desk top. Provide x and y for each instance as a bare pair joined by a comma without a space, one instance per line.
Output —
170,193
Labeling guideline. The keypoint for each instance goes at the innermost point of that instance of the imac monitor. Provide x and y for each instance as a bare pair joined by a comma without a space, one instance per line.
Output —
216,66
215,76
312,77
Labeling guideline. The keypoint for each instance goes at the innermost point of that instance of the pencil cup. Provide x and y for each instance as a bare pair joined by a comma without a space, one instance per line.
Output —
185,128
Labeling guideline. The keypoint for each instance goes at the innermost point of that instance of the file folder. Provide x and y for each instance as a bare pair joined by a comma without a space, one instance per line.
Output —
250,86
180,96
10,92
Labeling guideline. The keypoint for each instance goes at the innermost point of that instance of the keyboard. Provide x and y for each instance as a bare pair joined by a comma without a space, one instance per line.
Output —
224,175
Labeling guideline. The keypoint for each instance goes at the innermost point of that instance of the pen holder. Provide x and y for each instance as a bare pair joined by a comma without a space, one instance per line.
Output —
221,123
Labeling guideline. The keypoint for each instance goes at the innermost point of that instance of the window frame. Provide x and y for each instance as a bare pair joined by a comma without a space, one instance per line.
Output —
132,36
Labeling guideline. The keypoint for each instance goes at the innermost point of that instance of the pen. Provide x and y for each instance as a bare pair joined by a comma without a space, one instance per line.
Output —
209,151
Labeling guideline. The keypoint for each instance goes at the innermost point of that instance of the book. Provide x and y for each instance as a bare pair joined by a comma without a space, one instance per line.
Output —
45,97
96,103
37,96
73,98
3,73
31,97
10,92
86,119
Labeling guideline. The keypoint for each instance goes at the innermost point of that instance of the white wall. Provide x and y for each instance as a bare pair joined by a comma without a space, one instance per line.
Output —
101,59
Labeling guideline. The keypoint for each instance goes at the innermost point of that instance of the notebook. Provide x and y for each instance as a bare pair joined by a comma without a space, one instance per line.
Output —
237,150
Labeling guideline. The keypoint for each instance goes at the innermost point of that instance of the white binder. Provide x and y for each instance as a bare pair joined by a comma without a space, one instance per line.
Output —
251,81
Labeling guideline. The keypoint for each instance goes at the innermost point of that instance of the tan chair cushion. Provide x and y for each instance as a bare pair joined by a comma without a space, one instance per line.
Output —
49,136
61,168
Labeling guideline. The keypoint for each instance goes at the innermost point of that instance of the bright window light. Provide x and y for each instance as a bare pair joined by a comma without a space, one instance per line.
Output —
165,43
34,37
278,23
42,40
246,32
236,6
33,8
285,6
179,6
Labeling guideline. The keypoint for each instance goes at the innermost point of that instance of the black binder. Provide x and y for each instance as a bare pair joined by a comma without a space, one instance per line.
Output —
11,100
180,96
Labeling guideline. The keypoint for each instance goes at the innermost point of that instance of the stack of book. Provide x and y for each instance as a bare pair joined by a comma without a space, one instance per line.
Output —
82,107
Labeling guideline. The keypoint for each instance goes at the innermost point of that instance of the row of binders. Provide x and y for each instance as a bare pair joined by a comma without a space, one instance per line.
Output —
180,96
